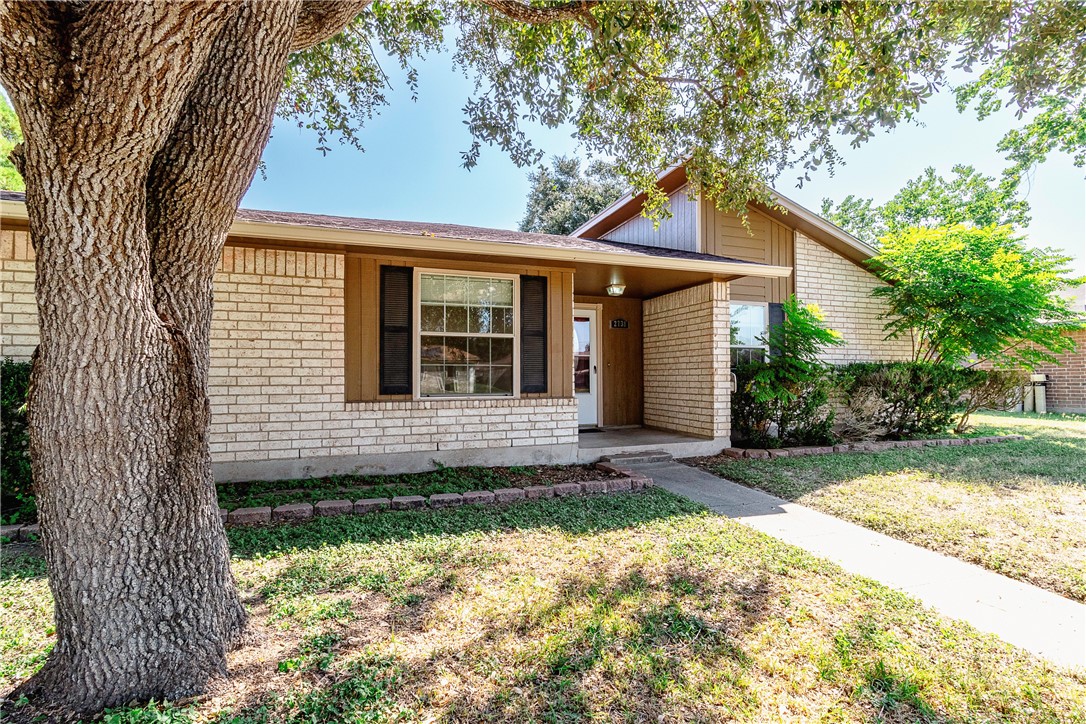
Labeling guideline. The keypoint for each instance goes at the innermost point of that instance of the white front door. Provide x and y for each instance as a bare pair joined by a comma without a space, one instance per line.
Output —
585,366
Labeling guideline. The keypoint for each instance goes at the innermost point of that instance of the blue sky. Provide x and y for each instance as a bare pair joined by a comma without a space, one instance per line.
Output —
411,167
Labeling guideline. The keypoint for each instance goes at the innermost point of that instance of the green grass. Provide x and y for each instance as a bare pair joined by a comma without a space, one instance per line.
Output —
353,487
639,607
1017,508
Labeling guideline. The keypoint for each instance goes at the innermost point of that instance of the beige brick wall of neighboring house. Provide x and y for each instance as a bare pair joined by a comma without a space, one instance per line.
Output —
843,291
686,361
276,381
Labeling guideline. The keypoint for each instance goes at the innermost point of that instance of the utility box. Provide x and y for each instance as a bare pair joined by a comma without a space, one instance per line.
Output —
1038,391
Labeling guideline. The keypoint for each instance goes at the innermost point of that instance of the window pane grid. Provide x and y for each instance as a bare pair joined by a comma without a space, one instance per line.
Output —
466,335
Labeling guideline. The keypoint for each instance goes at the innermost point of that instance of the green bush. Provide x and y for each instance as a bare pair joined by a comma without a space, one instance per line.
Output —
990,390
803,419
903,399
784,400
16,490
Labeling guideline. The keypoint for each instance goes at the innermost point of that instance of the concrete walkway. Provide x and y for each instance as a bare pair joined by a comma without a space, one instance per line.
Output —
1028,617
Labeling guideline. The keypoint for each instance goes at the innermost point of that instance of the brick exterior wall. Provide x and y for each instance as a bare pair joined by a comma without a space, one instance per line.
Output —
1066,391
276,381
686,361
843,291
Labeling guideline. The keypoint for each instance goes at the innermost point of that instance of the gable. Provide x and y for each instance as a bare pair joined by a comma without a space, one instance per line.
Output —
680,231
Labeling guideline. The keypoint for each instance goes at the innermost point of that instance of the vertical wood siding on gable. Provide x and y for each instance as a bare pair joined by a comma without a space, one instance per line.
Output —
767,242
678,232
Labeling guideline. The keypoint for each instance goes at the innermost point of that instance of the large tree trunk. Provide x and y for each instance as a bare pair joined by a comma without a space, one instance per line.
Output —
136,158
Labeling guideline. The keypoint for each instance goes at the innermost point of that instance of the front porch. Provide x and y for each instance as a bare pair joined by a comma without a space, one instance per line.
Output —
592,445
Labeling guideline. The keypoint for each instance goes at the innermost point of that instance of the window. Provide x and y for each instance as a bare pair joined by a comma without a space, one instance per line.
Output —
749,324
467,334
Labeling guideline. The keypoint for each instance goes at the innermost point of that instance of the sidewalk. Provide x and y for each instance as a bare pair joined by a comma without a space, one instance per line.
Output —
1021,614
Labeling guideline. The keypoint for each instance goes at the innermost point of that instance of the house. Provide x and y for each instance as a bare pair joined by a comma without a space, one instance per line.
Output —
344,344
1065,387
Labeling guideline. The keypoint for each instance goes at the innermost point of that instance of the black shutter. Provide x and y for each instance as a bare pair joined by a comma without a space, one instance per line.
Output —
533,334
396,304
776,319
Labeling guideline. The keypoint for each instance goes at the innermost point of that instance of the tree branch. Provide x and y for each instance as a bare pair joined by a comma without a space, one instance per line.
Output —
320,20
576,10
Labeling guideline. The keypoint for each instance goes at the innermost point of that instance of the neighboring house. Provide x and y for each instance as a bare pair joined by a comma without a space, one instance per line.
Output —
1065,390
342,344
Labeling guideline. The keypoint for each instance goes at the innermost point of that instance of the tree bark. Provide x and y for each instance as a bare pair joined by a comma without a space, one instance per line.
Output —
137,153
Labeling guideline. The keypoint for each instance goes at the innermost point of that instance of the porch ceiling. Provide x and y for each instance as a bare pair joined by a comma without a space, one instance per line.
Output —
593,279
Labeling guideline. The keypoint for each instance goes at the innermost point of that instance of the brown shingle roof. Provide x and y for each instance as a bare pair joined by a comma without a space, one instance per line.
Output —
439,231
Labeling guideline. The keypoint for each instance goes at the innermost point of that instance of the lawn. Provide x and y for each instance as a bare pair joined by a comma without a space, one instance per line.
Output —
1016,508
637,607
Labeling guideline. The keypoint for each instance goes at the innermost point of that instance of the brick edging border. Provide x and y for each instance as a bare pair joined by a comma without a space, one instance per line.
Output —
881,446
297,512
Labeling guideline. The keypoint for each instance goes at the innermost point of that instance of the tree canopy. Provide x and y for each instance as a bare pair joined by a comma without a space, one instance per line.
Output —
740,91
930,201
562,197
962,291
10,136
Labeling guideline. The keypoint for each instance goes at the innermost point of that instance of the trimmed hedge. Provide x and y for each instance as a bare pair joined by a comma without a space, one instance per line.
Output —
876,400
905,399
16,482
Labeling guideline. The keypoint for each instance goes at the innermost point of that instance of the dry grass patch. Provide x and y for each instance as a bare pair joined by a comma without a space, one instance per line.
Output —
618,608
1015,508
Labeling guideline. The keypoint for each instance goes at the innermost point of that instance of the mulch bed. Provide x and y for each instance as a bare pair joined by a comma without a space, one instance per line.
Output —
444,480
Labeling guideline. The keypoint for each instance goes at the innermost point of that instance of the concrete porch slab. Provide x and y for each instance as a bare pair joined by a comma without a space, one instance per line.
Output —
591,446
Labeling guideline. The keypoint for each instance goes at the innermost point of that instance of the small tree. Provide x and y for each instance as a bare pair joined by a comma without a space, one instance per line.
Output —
791,389
960,292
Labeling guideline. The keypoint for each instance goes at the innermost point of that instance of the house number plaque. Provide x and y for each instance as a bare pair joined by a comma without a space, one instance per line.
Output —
620,324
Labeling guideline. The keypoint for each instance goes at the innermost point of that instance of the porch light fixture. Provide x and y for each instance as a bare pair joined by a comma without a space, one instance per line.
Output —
616,290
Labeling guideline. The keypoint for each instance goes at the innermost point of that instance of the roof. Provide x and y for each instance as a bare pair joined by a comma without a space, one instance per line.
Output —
455,238
458,231
788,212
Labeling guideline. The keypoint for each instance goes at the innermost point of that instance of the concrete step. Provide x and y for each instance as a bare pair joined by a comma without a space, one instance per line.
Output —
638,458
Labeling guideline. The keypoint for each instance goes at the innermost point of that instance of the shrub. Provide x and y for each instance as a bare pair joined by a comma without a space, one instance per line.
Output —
902,399
787,394
16,490
990,390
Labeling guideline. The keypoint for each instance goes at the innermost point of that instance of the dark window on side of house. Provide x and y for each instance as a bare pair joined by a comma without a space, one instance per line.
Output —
776,319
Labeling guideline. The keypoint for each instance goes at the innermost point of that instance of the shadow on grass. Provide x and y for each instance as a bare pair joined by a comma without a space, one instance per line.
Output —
619,642
620,628
570,515
22,561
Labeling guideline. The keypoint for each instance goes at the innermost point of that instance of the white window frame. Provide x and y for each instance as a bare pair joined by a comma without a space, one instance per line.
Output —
765,315
416,328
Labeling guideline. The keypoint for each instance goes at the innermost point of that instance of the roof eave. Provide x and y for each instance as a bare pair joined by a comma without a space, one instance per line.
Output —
268,231
453,245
